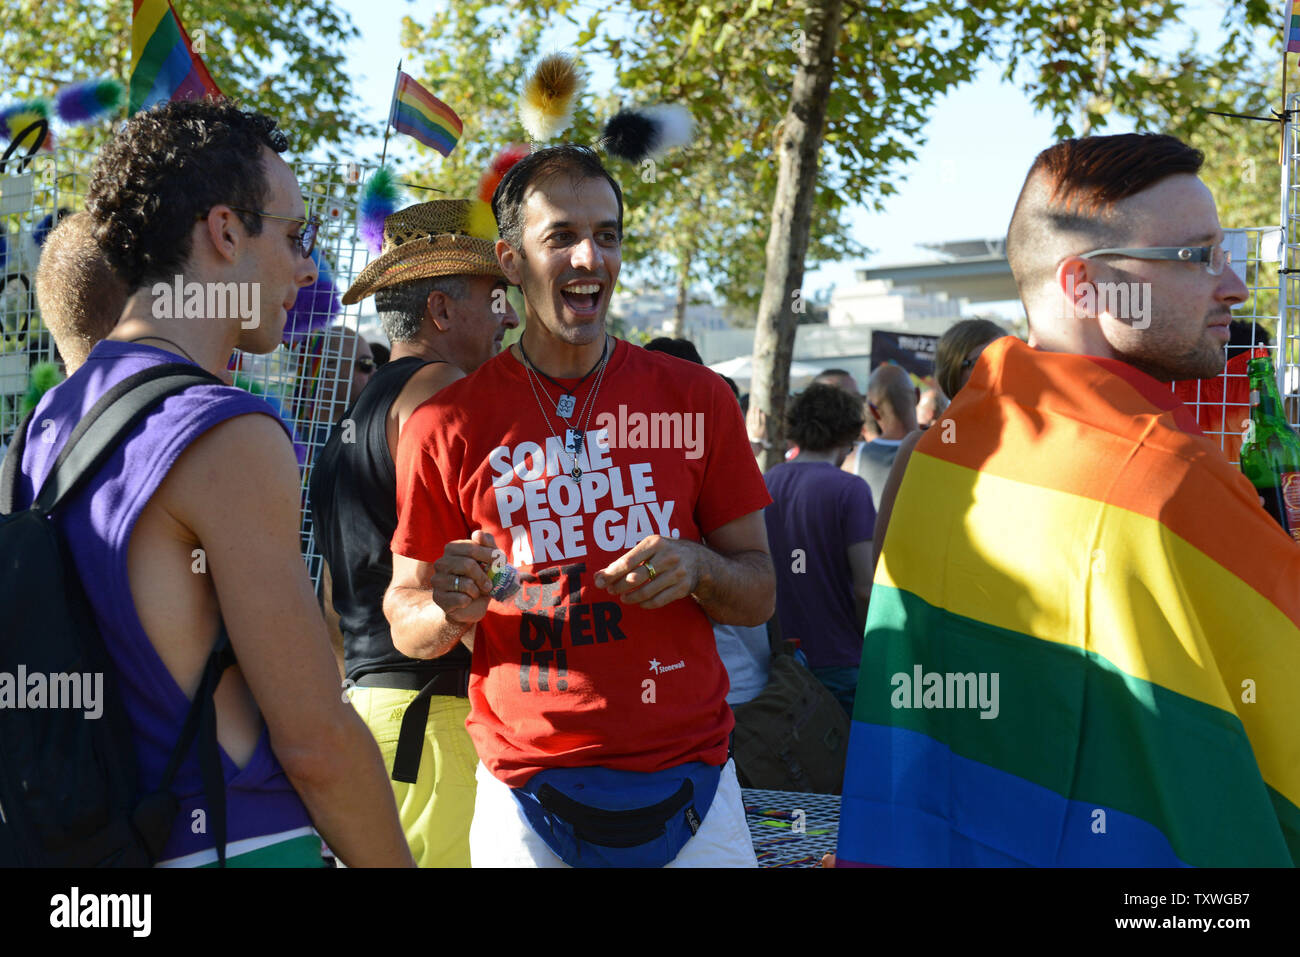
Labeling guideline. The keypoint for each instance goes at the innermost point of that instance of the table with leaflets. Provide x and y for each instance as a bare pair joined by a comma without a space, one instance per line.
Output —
791,828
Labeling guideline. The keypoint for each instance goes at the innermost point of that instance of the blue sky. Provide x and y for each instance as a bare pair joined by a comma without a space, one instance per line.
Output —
980,142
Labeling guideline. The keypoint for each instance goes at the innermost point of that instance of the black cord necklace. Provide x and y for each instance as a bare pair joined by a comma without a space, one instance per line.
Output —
170,343
568,401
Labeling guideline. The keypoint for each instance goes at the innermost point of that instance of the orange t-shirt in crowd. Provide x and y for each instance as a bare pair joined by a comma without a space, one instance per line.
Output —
564,674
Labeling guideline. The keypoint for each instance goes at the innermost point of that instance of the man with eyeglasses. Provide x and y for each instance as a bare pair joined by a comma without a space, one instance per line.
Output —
191,527
1083,647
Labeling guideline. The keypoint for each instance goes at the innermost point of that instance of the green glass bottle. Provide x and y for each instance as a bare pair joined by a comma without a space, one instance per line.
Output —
1270,457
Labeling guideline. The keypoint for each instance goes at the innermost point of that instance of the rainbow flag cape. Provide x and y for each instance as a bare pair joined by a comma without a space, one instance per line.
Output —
164,65
1083,645
418,113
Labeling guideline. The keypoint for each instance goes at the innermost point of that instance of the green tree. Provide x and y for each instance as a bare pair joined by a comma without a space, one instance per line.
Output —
694,219
285,59
810,106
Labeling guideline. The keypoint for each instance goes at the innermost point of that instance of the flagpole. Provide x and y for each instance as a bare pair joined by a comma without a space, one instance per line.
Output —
1286,39
398,79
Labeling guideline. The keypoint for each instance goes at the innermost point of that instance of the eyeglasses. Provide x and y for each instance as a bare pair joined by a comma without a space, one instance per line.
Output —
1215,258
306,239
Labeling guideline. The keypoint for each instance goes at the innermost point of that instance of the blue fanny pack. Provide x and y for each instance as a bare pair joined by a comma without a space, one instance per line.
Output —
599,817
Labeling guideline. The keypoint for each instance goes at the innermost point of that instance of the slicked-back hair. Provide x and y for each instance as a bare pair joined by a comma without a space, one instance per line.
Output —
1072,189
578,162
165,168
824,417
401,306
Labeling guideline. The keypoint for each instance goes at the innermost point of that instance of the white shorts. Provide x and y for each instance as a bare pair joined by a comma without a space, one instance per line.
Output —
500,835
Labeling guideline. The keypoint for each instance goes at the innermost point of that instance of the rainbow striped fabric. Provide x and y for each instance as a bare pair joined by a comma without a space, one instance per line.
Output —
1291,29
1083,645
417,112
164,65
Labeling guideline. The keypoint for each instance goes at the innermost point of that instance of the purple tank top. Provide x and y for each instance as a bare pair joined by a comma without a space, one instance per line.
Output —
97,523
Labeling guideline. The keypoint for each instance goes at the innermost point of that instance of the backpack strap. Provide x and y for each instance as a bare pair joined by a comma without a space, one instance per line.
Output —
101,430
109,421
201,721
12,466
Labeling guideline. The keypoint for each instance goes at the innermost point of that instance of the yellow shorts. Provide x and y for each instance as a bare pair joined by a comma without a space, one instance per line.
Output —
437,809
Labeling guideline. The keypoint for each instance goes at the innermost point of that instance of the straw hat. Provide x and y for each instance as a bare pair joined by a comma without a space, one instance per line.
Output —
424,241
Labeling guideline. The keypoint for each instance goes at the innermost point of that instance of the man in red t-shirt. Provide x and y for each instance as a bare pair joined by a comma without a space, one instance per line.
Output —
599,471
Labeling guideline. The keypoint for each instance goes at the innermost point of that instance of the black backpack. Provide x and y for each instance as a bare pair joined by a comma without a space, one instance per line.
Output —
68,784
794,736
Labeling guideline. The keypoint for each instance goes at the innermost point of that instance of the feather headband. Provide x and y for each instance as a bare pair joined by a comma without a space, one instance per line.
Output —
550,96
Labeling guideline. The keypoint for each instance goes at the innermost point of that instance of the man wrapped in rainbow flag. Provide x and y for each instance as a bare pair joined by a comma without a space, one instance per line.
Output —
1083,647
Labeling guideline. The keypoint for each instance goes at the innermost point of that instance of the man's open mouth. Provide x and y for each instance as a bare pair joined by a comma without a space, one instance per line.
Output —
581,296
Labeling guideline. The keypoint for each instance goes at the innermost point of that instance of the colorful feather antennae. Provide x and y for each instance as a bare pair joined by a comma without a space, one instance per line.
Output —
378,201
497,169
89,100
647,131
18,116
550,96
315,306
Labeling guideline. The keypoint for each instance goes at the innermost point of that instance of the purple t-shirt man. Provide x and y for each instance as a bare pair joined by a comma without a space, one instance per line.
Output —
817,512
262,807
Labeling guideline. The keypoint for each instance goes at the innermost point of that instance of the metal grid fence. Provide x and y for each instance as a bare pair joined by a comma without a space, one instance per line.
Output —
1222,404
307,379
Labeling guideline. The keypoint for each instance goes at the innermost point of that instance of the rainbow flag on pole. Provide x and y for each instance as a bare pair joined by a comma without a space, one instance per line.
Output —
1291,30
1101,664
418,113
164,65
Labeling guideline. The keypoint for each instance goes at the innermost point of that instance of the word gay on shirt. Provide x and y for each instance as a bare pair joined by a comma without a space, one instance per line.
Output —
544,514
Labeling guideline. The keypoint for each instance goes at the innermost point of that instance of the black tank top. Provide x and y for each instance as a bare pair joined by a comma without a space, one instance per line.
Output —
354,514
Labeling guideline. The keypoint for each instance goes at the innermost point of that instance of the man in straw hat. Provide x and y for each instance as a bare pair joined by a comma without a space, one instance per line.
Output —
597,698
440,294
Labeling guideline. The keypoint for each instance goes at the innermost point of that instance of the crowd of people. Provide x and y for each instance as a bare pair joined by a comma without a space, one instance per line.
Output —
547,616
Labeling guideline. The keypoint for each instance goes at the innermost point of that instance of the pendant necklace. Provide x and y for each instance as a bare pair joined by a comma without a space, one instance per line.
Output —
169,342
568,400
573,437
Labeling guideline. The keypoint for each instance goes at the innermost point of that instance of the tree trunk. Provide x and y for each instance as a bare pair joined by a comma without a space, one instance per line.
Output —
787,243
678,328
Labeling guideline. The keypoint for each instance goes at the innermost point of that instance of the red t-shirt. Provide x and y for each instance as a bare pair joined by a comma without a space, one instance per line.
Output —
565,674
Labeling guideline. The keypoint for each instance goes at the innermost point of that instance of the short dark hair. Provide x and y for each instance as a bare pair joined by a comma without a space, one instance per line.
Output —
166,167
580,162
1072,189
681,348
823,417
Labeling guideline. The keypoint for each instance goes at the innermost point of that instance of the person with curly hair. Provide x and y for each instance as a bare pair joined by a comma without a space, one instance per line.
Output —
819,526
191,527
